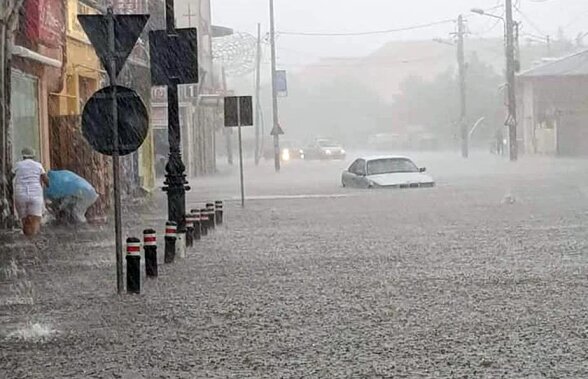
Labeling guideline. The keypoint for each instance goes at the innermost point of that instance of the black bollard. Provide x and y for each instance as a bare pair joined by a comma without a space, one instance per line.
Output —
197,226
189,231
218,205
133,265
211,215
171,230
204,220
150,246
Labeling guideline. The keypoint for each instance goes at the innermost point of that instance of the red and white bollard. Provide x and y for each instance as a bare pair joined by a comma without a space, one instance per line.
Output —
171,235
150,247
204,221
189,230
133,265
197,224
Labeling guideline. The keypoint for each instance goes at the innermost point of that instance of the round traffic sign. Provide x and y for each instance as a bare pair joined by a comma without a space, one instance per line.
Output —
98,125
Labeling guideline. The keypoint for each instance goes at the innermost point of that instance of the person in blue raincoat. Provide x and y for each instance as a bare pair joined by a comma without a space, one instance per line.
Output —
70,195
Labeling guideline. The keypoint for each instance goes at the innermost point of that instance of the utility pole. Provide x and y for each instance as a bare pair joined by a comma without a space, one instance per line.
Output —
511,121
274,89
257,99
462,87
227,131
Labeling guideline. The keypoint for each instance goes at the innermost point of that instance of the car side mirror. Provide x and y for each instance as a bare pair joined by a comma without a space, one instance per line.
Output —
422,169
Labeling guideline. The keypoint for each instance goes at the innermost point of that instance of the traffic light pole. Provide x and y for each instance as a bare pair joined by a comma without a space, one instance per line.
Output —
175,178
510,76
274,89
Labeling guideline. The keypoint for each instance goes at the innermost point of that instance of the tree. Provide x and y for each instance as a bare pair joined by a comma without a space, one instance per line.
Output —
341,108
434,104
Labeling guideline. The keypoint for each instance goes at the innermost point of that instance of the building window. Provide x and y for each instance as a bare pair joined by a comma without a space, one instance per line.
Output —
24,108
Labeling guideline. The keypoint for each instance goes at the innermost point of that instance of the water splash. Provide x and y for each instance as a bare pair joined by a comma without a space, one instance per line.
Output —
32,332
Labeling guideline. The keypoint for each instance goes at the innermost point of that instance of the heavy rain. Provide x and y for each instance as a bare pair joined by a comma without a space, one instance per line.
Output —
293,189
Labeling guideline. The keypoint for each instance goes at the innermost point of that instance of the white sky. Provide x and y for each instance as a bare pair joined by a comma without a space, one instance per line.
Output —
329,16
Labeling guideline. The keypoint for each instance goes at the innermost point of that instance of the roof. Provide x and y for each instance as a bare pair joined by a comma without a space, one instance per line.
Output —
377,157
572,65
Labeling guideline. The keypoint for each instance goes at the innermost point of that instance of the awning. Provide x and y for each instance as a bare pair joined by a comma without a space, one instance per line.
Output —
32,55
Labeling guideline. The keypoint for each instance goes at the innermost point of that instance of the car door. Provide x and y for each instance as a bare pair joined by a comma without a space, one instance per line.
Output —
360,176
352,177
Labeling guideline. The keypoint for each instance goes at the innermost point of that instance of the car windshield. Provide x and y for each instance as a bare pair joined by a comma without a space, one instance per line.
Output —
328,144
390,166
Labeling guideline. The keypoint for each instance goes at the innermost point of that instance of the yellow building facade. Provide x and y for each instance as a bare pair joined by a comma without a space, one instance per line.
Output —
85,75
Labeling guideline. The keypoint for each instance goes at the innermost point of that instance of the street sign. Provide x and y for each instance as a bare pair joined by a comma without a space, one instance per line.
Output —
114,120
127,29
238,111
277,131
174,57
281,83
133,121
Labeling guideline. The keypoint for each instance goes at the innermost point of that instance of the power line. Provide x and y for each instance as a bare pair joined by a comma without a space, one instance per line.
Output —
373,32
533,25
364,63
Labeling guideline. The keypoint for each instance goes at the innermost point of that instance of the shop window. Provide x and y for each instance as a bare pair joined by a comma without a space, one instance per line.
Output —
24,108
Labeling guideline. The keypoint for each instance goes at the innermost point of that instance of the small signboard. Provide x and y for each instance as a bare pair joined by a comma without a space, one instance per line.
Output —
98,123
238,111
281,83
174,57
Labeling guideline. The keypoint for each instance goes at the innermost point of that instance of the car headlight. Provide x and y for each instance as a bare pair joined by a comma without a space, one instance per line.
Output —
342,151
286,155
328,152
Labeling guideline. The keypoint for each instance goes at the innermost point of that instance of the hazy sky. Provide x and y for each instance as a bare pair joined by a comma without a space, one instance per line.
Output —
539,17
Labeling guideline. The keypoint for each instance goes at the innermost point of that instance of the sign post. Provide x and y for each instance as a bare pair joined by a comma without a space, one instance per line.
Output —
174,61
113,38
238,113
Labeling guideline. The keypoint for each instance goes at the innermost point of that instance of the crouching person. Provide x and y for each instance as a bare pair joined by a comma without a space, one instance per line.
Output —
70,196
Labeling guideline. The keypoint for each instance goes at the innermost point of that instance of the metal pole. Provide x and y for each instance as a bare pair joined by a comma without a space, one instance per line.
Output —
175,178
257,97
274,89
115,154
5,215
462,87
241,159
227,131
510,76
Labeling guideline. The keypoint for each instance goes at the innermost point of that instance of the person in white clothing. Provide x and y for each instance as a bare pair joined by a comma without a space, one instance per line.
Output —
29,179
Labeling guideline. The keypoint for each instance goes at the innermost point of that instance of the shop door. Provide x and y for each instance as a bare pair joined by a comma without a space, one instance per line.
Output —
24,108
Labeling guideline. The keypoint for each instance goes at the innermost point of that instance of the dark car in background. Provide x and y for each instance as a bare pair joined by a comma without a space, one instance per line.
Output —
324,149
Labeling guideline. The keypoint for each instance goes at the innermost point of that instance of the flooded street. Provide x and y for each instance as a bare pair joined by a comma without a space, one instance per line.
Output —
482,276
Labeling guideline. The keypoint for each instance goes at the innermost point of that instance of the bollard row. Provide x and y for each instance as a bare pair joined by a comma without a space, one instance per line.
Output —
198,223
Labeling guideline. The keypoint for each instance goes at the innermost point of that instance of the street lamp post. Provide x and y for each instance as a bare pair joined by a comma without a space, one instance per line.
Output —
511,121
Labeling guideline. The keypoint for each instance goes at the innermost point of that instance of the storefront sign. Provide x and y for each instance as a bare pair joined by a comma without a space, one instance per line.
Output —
130,6
186,93
45,22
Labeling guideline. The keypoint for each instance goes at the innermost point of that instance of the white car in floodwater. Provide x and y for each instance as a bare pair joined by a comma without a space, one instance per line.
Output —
386,172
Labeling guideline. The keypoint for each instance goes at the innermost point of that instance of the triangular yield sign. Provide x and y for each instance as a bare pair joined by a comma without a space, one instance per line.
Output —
127,29
277,131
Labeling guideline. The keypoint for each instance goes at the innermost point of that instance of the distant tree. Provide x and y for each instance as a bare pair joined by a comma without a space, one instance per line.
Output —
341,108
434,104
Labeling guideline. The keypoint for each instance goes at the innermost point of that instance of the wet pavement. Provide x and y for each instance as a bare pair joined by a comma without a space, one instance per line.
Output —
483,276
